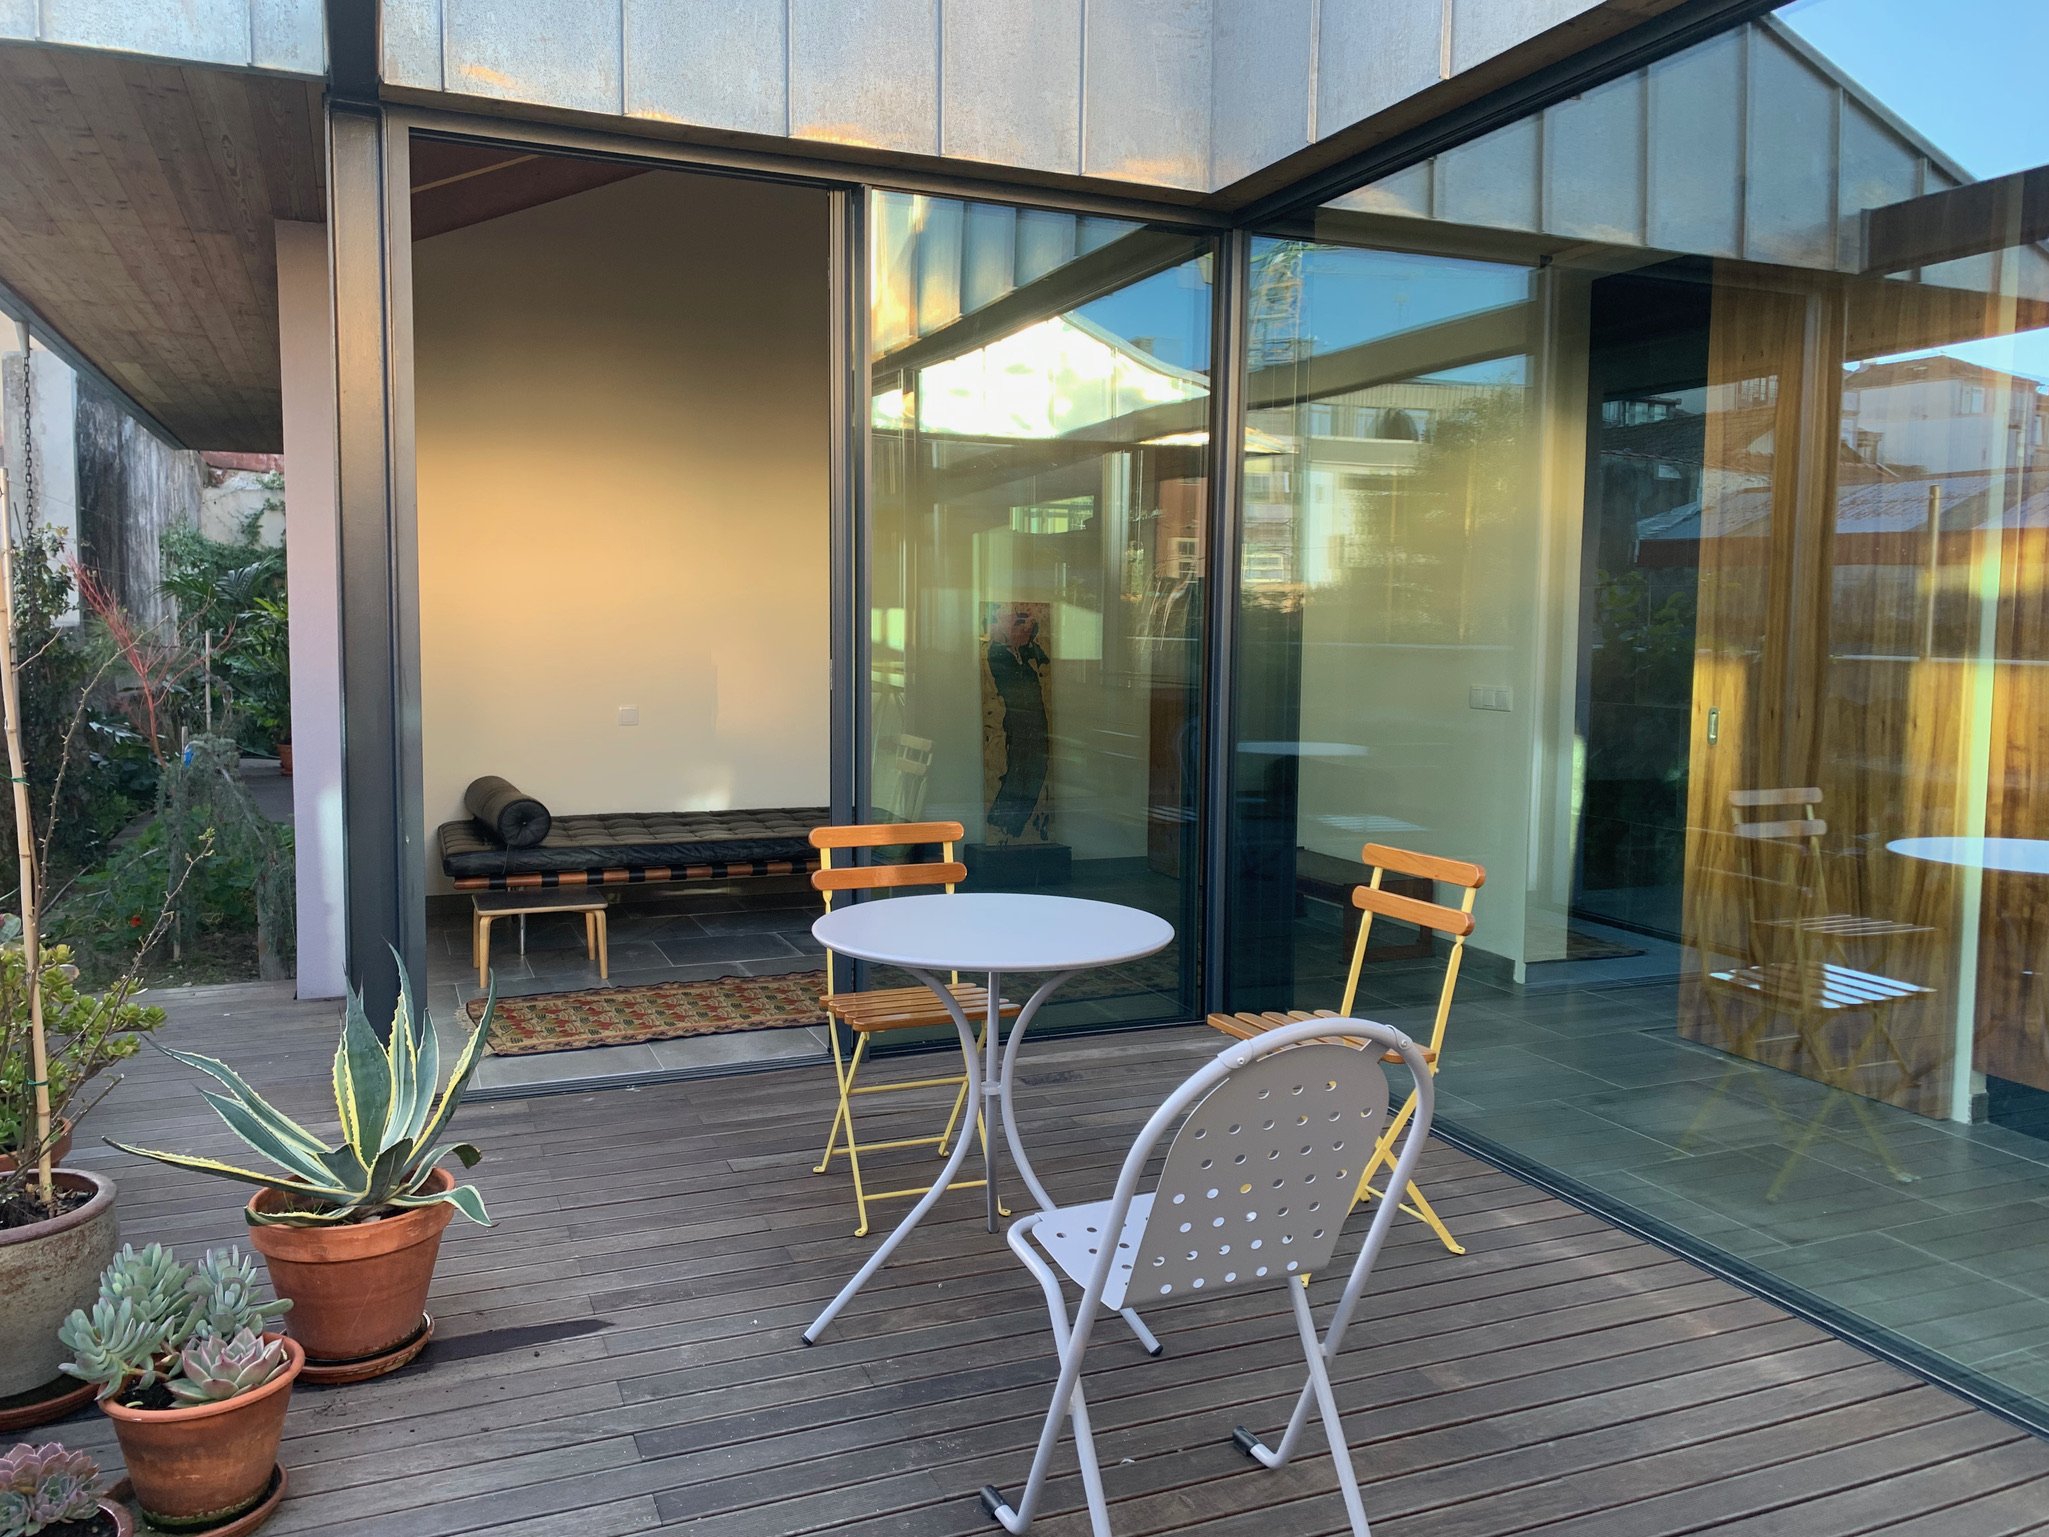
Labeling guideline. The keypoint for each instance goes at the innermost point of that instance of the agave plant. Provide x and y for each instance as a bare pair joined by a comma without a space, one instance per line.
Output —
45,1486
384,1095
212,1369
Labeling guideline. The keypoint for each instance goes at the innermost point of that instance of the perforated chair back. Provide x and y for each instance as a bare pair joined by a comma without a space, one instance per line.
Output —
1261,1174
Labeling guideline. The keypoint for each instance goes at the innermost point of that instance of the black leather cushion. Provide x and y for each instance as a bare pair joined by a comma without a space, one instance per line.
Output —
517,821
637,840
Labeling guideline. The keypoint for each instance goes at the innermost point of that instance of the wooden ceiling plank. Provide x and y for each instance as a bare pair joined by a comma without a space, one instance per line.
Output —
120,171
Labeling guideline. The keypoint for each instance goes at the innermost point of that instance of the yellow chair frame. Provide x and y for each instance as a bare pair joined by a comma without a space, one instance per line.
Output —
1454,922
879,1010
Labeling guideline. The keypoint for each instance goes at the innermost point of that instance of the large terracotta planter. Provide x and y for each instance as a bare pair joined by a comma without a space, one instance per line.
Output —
46,1270
58,1153
201,1464
357,1290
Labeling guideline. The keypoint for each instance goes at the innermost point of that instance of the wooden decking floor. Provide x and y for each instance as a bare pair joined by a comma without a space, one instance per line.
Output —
620,1353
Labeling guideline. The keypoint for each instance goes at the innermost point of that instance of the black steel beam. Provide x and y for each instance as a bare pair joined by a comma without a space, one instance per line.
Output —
1971,220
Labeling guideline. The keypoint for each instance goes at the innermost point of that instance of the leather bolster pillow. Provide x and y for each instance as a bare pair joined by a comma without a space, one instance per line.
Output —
515,820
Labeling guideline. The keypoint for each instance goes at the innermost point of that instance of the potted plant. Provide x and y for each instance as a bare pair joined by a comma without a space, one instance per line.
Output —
350,1231
196,1387
52,1243
47,1491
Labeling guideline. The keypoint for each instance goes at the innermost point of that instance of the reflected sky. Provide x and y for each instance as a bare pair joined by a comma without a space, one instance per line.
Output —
1966,74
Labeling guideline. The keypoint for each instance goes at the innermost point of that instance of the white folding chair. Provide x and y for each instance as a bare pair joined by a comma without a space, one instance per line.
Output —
1254,1191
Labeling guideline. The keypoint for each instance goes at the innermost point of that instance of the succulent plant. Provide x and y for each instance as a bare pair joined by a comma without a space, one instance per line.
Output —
151,1308
211,1368
222,1296
45,1486
152,1279
115,1346
391,1123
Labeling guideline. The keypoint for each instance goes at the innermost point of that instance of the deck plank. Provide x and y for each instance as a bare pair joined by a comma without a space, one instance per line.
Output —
620,1353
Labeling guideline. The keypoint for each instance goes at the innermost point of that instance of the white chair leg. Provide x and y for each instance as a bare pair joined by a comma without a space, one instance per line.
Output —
1067,1405
1327,1403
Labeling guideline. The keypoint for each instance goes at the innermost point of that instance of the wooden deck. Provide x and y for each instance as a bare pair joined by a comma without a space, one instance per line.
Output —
621,1352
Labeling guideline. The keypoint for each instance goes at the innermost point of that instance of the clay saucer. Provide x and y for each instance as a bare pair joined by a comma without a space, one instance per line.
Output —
327,1374
52,1401
248,1521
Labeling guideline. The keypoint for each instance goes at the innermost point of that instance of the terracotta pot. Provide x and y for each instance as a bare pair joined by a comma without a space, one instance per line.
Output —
357,1290
57,1154
46,1270
200,1464
284,759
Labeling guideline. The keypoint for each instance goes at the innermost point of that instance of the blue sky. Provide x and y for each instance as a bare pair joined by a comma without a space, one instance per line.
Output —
1967,74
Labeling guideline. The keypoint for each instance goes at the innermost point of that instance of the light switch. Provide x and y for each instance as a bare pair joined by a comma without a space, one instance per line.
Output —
1490,696
629,715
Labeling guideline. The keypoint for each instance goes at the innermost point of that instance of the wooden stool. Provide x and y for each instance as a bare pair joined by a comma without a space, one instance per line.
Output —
487,906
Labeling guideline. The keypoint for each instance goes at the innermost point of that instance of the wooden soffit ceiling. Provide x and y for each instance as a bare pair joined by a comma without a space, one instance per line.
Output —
137,200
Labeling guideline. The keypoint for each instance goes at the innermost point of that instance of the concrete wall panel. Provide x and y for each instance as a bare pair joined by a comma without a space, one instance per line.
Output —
1147,91
1696,149
1482,28
1372,54
866,72
1789,211
412,43
719,63
1594,164
286,35
566,55
1264,67
1010,83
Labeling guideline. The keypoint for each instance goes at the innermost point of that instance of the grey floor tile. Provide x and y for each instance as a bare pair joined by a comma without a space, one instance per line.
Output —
565,1066
726,947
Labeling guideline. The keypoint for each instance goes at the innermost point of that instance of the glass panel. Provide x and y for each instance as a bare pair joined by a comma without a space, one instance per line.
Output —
1041,461
1646,502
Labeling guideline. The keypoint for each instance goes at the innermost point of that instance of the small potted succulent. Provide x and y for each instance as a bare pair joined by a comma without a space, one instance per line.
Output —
53,1492
350,1232
195,1385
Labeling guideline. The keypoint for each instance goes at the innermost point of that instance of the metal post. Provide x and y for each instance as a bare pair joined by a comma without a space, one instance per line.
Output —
370,274
1226,496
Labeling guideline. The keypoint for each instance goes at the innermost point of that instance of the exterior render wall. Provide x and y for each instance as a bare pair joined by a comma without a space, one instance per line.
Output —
1181,94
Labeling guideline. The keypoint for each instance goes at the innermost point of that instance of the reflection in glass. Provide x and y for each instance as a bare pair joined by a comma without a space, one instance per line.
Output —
1652,509
1039,417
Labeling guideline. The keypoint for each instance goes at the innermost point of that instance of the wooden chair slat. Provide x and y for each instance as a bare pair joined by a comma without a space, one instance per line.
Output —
1454,872
876,835
1428,915
1805,795
879,877
1795,827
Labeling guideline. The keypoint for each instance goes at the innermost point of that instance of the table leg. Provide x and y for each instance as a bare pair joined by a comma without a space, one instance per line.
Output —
483,950
992,1076
930,1198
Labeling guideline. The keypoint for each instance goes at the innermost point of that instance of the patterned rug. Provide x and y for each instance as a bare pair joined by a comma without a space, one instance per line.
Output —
669,1011
662,1011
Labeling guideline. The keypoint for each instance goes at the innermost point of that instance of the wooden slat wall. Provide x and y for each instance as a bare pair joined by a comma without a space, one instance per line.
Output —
136,207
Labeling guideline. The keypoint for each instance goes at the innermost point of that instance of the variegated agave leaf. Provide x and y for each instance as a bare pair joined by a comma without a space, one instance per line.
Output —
391,1120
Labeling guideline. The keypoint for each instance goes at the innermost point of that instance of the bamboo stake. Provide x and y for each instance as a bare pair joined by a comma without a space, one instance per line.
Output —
24,837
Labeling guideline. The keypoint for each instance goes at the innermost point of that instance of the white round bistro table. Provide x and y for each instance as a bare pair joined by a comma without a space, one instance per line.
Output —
999,934
2015,856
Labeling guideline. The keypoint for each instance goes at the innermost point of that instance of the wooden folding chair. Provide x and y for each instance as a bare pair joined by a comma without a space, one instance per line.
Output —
880,1010
1454,922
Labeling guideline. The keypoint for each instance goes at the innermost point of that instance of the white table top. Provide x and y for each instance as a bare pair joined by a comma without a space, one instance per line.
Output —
992,931
2019,856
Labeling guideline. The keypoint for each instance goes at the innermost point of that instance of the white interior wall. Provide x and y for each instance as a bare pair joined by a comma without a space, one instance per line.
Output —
622,438
313,590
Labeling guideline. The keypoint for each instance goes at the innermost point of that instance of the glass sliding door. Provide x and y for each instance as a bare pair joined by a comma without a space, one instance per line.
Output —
1040,462
1646,500
1387,548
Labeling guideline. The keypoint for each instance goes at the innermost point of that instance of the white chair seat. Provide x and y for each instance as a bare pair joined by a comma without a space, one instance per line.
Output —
1072,1237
